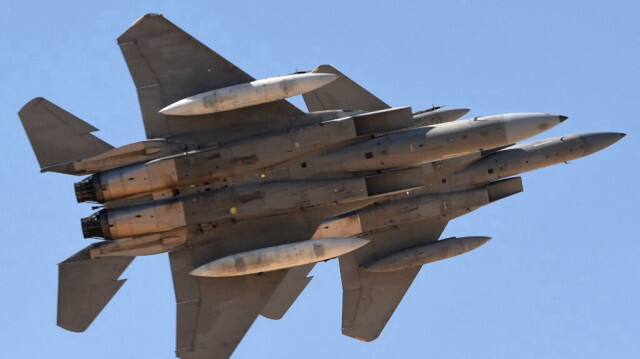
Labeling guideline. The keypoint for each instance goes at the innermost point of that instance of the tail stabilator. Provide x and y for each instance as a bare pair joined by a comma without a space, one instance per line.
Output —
58,138
85,286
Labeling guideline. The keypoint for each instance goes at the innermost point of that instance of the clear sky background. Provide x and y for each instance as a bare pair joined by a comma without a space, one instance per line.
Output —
560,277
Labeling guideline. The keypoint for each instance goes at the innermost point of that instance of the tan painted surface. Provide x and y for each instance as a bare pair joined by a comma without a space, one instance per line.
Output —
143,245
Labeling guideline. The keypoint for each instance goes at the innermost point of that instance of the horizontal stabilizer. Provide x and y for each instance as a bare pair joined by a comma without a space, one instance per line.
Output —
85,286
341,94
58,138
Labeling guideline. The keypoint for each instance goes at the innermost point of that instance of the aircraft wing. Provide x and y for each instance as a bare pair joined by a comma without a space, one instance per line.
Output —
290,288
369,299
168,65
214,314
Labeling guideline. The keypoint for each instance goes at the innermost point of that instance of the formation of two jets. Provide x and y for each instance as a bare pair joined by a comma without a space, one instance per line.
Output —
246,192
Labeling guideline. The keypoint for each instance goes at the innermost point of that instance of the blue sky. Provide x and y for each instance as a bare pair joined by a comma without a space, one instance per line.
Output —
560,277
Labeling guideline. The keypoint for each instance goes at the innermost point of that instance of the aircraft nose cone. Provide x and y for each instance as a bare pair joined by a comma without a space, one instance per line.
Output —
595,142
562,118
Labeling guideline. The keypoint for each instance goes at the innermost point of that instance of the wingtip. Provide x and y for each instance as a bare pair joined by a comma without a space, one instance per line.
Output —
144,17
71,328
33,102
137,24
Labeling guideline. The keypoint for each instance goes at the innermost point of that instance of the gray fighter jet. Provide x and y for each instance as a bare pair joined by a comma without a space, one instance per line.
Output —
245,192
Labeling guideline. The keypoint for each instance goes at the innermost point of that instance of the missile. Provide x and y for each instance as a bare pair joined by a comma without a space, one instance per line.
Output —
417,256
248,94
279,257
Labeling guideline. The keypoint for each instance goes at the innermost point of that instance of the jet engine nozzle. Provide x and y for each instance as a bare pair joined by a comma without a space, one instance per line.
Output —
86,190
95,226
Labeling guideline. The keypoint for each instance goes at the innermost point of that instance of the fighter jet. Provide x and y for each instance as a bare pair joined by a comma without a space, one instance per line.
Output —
245,192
